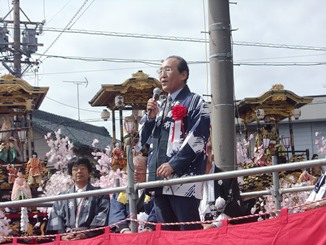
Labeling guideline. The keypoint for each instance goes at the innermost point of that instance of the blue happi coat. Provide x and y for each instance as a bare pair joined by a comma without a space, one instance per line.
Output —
182,143
93,213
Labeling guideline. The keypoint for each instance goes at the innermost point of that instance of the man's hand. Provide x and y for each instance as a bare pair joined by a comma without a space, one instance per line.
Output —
165,170
152,108
126,232
208,226
74,236
146,229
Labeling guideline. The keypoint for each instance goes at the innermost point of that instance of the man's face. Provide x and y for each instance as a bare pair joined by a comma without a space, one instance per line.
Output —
135,113
80,174
140,168
170,77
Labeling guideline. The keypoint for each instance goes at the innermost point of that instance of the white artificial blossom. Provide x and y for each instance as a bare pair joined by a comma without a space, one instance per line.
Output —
4,226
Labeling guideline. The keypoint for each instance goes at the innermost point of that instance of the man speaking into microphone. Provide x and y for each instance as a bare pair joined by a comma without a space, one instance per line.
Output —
178,131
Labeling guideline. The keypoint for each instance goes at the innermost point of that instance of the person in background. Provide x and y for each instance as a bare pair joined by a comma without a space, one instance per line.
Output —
318,170
221,198
317,194
178,131
119,210
79,214
315,173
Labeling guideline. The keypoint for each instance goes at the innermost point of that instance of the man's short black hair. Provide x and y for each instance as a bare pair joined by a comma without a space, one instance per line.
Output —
75,161
182,66
314,156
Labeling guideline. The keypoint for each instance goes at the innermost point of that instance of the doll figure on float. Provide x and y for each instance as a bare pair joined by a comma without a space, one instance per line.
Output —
130,127
12,173
118,158
5,126
21,189
9,150
34,170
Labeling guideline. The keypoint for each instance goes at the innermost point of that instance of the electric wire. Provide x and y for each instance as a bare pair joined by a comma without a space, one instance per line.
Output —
74,107
87,71
158,62
69,24
60,10
81,15
184,39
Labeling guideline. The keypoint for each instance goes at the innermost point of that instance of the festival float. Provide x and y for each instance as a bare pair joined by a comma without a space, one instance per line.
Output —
260,139
260,118
17,101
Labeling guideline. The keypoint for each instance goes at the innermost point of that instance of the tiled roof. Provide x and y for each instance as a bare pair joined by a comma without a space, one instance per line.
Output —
78,132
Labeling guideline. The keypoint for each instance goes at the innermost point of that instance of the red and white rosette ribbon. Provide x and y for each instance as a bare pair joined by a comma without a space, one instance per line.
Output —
178,113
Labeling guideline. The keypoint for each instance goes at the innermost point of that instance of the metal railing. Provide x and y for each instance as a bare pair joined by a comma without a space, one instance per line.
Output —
132,188
161,183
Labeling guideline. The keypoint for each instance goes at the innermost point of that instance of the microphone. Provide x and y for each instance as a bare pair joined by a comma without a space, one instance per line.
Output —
156,96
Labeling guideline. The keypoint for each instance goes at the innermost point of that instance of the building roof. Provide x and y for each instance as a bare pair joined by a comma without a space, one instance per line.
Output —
79,133
135,91
277,103
17,95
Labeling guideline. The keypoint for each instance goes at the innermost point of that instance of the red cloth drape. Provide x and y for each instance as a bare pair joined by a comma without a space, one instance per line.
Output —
302,228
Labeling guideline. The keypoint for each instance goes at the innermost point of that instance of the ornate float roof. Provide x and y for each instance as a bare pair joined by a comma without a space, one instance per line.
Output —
276,102
136,91
17,95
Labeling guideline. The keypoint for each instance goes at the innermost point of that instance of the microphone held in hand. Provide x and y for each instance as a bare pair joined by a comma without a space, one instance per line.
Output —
156,96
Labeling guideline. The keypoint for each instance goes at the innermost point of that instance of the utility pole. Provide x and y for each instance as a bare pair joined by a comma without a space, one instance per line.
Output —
222,87
78,83
16,46
19,48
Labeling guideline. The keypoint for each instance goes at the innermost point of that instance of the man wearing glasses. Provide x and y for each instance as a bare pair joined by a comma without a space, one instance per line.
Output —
179,130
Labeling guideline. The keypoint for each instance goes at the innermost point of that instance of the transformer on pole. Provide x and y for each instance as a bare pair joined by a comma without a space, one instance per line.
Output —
19,48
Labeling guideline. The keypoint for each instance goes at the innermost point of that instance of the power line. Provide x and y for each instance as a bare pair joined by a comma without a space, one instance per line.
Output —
182,39
115,60
69,25
74,107
158,62
280,64
81,15
86,71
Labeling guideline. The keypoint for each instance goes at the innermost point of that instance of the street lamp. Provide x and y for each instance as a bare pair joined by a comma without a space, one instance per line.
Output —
29,104
130,128
296,113
286,142
266,142
22,135
105,114
260,114
119,103
129,125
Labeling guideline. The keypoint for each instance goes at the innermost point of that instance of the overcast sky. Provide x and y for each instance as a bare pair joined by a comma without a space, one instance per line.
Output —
296,23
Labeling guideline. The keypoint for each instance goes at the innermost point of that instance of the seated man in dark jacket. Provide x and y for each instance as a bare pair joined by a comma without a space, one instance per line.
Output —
81,213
